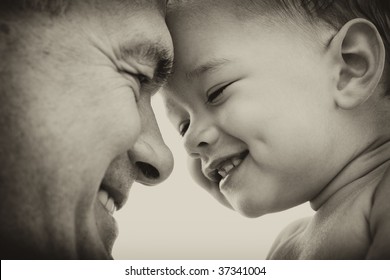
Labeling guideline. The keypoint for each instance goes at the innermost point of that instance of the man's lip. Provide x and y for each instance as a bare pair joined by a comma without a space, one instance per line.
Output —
211,171
107,226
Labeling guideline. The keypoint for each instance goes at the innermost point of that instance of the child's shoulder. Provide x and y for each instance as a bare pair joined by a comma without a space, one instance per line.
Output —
380,220
363,215
287,240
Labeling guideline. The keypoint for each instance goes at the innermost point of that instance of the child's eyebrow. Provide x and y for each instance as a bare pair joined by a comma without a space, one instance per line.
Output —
209,66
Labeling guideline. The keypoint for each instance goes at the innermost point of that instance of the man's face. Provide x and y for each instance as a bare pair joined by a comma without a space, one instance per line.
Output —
78,128
254,107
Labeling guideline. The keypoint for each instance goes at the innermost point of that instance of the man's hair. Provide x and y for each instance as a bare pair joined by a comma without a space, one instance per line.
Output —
334,13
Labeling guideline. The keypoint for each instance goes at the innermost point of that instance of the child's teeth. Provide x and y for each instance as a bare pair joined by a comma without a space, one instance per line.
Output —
229,167
103,196
223,173
236,161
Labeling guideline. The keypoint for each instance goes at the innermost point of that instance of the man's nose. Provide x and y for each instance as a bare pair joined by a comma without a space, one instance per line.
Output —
150,154
199,138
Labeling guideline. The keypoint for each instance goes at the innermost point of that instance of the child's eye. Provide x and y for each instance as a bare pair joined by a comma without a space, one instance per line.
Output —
213,97
184,127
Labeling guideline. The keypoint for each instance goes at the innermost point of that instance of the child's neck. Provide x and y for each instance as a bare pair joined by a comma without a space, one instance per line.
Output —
366,169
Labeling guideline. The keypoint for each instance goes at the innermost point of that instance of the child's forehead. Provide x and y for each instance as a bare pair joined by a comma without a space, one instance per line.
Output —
192,28
211,11
174,103
242,17
207,13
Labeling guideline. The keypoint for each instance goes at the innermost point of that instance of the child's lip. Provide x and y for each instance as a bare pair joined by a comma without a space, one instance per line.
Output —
220,168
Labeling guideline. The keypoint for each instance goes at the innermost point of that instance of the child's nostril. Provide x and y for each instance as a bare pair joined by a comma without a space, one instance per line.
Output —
148,170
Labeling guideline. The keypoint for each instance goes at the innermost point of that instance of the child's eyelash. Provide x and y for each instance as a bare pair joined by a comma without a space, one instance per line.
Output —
214,95
183,128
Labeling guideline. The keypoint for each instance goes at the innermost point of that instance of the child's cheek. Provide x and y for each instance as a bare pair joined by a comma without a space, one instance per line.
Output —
195,169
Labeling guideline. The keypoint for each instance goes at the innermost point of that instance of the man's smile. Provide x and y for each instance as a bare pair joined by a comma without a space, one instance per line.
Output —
113,196
107,201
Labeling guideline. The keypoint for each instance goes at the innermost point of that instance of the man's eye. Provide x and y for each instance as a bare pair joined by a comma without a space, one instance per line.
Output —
143,83
142,79
213,96
183,128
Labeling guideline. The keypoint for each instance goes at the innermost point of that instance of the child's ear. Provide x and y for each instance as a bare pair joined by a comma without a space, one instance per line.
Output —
359,53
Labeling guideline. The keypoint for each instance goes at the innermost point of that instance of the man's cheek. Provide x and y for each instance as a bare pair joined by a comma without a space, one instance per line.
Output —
120,123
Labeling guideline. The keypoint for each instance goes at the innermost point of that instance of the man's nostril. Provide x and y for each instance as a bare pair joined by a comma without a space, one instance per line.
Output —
148,170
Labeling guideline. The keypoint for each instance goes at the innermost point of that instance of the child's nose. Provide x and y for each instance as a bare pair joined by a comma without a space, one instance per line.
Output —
198,141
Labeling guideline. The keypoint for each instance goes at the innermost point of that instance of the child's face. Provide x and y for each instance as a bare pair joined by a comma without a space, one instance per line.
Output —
254,107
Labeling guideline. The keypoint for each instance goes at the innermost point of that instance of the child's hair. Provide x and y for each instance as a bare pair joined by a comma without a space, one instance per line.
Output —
334,13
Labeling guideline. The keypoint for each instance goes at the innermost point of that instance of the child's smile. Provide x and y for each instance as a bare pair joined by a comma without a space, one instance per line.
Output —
220,169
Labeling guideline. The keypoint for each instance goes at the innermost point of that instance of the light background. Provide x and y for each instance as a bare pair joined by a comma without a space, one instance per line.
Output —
179,220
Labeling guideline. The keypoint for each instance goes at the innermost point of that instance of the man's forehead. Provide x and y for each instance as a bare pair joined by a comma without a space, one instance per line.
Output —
161,5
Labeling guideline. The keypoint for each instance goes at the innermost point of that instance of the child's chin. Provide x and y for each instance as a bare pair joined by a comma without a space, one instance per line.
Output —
249,211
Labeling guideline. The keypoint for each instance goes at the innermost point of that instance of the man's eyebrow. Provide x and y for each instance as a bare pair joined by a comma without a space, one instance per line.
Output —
150,53
209,66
